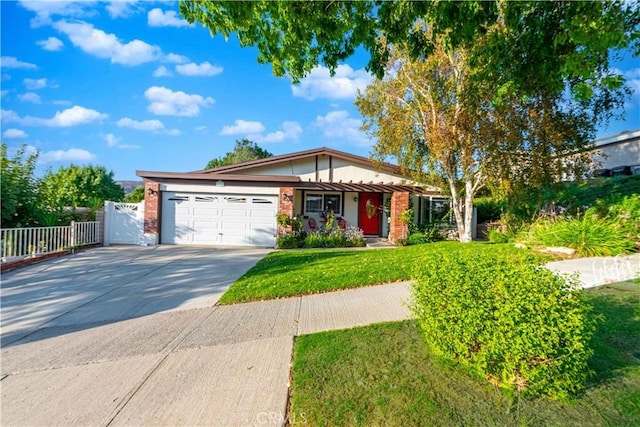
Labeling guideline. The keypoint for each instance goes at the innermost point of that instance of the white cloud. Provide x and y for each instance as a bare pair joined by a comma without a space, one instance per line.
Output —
15,133
343,85
633,81
175,58
52,43
632,74
121,8
34,84
162,71
200,128
290,131
13,62
73,116
3,93
70,155
243,127
158,18
44,10
112,140
9,116
30,97
339,125
61,102
155,126
108,46
166,102
193,69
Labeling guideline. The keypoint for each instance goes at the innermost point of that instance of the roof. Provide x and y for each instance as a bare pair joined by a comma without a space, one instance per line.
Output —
387,167
152,175
625,136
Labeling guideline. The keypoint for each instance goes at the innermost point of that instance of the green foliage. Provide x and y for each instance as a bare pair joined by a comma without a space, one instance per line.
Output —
243,151
424,233
625,213
589,235
489,208
136,196
506,318
496,236
79,186
19,198
289,241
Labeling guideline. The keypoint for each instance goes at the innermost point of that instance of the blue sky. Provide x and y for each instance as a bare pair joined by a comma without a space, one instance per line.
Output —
131,86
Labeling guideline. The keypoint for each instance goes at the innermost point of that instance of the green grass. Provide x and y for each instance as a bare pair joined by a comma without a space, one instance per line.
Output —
382,375
301,272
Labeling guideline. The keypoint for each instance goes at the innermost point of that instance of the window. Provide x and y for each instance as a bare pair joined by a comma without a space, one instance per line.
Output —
318,203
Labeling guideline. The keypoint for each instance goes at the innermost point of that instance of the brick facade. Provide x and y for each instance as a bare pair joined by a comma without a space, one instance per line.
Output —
399,204
285,198
151,211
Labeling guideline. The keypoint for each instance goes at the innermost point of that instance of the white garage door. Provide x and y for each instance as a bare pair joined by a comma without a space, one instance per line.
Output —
218,219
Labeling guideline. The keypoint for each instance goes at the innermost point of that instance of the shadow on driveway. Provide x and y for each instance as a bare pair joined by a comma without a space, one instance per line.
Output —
107,285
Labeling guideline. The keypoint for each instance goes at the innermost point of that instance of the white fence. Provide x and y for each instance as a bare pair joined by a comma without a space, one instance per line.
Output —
123,223
34,241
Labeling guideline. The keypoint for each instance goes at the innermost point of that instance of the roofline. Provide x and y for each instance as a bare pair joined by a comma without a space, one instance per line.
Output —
151,175
388,167
625,136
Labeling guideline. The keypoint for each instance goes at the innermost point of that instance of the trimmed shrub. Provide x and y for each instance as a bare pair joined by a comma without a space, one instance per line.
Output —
489,208
289,241
506,318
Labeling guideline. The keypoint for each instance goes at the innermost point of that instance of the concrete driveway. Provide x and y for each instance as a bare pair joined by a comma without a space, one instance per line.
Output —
107,285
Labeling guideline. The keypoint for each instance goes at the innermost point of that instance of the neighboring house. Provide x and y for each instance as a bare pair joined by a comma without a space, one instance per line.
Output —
618,154
237,204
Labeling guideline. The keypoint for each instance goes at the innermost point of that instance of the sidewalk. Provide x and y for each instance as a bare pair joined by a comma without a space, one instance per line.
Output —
221,366
597,271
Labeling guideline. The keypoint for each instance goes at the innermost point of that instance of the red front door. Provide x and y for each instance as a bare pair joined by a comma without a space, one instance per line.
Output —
369,213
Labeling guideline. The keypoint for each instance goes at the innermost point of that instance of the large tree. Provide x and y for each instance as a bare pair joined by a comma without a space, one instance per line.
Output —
243,151
79,186
19,199
442,124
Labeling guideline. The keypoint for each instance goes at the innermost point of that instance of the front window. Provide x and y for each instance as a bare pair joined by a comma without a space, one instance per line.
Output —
320,203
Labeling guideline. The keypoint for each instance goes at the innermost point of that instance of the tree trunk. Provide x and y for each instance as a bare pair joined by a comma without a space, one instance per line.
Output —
463,210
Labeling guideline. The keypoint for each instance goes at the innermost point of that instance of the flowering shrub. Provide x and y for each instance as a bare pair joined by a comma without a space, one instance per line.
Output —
329,236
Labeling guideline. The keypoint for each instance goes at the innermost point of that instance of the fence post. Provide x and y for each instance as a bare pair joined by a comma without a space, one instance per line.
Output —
73,236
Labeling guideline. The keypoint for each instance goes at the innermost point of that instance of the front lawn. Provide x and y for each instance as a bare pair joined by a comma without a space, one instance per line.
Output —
301,272
382,375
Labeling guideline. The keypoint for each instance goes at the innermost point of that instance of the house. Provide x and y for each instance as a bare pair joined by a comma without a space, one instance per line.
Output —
237,204
618,154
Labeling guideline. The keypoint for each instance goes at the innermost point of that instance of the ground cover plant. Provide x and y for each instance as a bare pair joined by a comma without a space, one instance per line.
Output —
331,235
384,375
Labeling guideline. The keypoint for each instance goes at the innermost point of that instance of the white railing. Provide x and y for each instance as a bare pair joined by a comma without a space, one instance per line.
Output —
34,241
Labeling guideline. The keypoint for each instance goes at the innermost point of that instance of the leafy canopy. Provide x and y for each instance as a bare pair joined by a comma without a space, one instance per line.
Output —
18,185
76,186
243,151
543,44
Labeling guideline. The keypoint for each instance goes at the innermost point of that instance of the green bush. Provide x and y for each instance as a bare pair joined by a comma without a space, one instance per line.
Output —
289,241
625,212
489,208
511,321
589,235
496,236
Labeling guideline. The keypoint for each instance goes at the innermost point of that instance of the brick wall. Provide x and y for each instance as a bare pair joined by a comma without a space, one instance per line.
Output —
399,204
151,211
286,205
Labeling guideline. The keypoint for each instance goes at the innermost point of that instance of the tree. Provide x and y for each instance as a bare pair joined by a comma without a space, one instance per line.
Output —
243,151
75,186
19,198
441,122
136,196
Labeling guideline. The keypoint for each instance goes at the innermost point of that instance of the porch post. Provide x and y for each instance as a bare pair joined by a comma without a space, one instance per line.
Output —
285,207
151,212
399,204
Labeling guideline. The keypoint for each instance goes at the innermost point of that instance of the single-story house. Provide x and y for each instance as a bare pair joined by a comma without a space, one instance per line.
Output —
237,204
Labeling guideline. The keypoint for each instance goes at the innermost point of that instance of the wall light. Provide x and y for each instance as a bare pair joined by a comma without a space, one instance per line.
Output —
287,197
151,191
355,198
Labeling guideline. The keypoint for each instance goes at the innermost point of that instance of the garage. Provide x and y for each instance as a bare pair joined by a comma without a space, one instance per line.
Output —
218,219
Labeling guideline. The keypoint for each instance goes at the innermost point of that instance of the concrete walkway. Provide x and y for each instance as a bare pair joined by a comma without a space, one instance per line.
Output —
597,271
214,366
